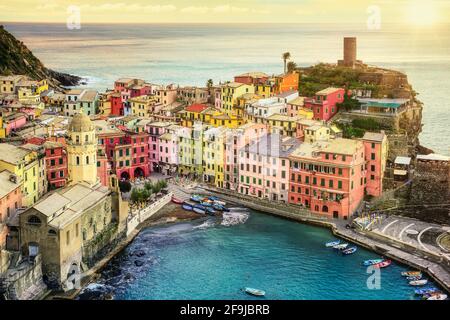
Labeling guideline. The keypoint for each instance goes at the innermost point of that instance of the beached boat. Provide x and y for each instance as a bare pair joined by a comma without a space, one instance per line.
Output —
438,296
423,291
210,211
383,264
199,209
341,246
206,203
196,198
255,292
187,206
372,262
176,200
350,250
332,243
411,273
213,198
222,203
418,282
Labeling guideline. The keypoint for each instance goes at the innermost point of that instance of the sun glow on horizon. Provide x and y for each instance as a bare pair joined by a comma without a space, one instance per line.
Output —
421,13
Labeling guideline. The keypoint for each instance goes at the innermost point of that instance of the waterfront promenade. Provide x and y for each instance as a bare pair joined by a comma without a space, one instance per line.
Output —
436,265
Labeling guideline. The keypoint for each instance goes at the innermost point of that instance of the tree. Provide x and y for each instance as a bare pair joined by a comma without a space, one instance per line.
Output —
349,103
291,66
209,83
285,56
125,186
135,195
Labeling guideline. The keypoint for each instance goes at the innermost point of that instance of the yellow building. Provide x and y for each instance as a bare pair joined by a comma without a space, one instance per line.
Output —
24,164
190,149
198,113
227,121
2,130
282,124
82,149
104,104
245,100
144,106
317,133
8,83
230,93
213,156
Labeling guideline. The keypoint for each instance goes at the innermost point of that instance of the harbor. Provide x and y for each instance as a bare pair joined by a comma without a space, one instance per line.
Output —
137,266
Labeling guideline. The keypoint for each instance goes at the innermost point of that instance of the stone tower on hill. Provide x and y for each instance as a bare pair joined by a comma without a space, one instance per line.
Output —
82,150
350,53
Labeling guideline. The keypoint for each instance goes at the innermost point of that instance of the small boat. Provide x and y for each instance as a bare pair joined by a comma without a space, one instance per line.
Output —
196,198
176,200
341,246
210,211
350,250
383,264
372,262
213,198
332,243
222,203
199,209
438,296
418,282
423,291
206,203
411,273
414,278
255,292
187,206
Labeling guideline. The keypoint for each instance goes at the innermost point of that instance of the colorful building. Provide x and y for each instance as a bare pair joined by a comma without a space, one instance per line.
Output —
81,99
264,167
250,78
8,83
328,177
376,152
324,103
56,164
230,93
144,106
25,165
10,201
213,156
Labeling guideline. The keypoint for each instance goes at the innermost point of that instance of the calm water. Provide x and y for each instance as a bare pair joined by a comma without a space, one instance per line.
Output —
207,260
191,54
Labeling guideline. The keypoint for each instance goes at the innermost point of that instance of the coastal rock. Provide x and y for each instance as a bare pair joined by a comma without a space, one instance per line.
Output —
138,263
16,58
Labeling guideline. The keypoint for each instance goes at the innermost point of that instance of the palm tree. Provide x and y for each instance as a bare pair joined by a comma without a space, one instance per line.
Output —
209,83
291,66
285,56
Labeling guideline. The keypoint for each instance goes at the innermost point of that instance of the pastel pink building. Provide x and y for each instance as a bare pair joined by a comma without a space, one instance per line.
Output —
168,149
235,140
14,122
324,103
376,149
155,130
10,201
328,177
264,167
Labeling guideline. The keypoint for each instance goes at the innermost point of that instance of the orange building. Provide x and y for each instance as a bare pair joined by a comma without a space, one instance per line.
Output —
287,82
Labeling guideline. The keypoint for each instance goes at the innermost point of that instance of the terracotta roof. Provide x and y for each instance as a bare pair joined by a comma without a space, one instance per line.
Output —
196,107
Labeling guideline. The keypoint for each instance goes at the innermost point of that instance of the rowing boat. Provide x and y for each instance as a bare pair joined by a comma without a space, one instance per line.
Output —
418,282
383,264
186,206
341,246
438,296
176,200
350,250
372,262
255,292
423,291
411,273
332,243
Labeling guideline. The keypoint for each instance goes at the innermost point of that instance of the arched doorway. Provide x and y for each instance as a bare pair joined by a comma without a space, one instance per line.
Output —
325,209
125,175
138,172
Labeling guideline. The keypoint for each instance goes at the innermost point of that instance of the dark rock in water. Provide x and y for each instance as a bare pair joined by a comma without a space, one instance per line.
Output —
140,253
138,263
128,276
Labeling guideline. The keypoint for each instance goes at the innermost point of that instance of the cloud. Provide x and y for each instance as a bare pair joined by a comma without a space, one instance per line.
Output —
227,8
195,9
129,7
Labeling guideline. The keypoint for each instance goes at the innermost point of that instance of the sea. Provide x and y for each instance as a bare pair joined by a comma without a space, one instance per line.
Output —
215,258
190,54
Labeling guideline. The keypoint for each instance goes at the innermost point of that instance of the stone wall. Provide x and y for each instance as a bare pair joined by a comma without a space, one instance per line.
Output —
4,261
24,282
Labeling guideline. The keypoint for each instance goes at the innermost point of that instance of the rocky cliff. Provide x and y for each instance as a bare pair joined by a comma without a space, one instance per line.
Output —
16,58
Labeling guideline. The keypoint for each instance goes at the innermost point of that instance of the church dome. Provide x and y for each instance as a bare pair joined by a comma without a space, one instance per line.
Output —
81,123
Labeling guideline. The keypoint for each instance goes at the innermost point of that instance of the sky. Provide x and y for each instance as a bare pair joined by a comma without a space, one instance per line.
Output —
407,12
